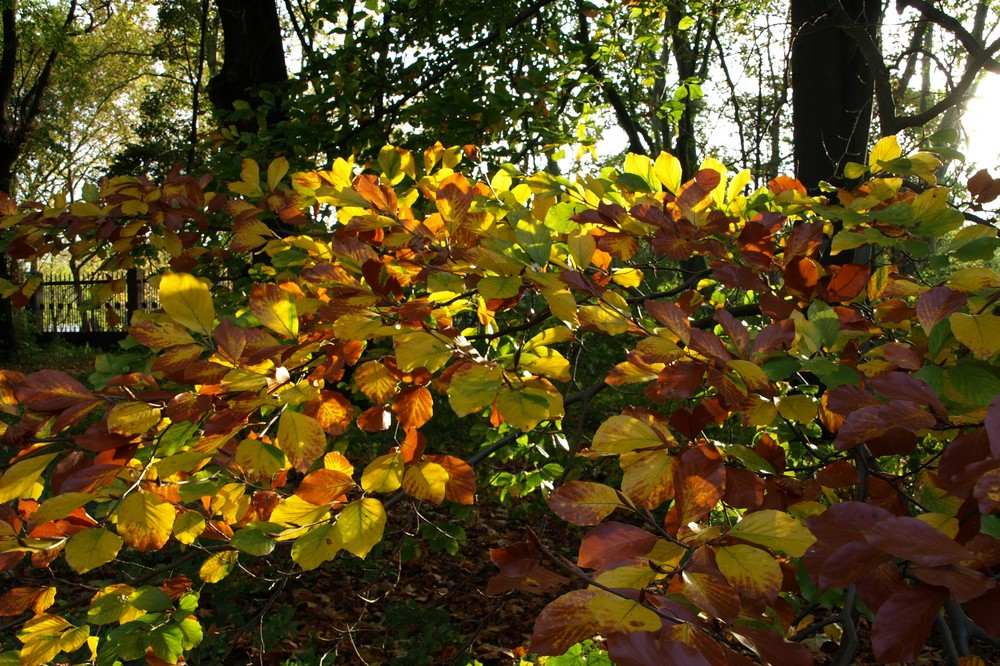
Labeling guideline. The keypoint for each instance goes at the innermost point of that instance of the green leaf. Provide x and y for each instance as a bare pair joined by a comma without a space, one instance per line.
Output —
151,599
108,608
421,350
167,642
252,541
473,387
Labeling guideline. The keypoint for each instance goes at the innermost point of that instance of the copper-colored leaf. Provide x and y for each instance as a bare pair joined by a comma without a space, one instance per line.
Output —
584,502
847,282
612,543
52,391
712,595
520,570
324,486
332,410
563,623
413,406
936,304
461,486
699,482
772,648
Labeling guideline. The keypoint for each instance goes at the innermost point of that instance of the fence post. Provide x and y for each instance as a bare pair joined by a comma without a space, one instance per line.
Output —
132,292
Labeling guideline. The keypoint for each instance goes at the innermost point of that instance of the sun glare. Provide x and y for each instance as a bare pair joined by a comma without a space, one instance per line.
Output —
982,123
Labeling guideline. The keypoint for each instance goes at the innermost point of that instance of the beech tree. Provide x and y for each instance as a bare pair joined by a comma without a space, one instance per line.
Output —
797,431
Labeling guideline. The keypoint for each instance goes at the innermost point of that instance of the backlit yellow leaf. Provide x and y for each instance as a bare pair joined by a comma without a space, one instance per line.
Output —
798,408
145,521
384,474
296,512
421,350
979,332
275,309
426,480
188,526
132,418
886,150
276,170
775,530
19,479
614,614
360,525
750,570
316,546
91,548
623,433
301,438
60,506
218,566
188,301
473,387
648,477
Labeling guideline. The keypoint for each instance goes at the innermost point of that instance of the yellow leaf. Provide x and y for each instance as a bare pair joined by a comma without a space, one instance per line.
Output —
60,506
797,408
426,480
627,277
421,350
750,570
145,521
947,524
296,512
316,546
275,309
188,526
979,332
751,373
19,479
91,548
42,636
741,180
562,304
276,170
775,530
648,477
525,408
719,191
384,474
218,566
545,362
491,287
668,171
301,438
886,150
581,248
623,433
132,418
188,301
633,577
360,525
473,387
614,614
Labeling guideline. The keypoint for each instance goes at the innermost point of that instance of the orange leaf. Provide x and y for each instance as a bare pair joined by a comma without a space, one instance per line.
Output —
413,406
331,410
324,486
584,502
461,486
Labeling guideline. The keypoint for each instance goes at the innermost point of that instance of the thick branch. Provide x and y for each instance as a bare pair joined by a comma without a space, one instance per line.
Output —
973,45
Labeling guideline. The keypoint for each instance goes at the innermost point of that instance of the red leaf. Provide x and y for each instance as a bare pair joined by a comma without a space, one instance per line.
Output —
838,474
772,648
672,317
903,623
52,391
983,186
584,502
935,305
374,419
563,623
690,423
911,539
777,336
902,386
782,183
712,595
804,241
643,648
964,583
992,424
699,482
841,553
744,489
520,570
801,277
680,380
612,543
983,611
381,197
736,331
847,282
987,491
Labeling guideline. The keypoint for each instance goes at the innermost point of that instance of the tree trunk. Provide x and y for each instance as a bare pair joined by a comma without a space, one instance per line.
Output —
832,90
253,55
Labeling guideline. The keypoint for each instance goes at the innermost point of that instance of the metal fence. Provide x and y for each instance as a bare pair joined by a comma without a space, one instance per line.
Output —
94,303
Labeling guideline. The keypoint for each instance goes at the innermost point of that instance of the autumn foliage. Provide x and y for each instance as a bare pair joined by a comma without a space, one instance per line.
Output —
812,450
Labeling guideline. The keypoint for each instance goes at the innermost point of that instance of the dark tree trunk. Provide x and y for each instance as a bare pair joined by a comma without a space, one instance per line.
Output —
253,55
832,89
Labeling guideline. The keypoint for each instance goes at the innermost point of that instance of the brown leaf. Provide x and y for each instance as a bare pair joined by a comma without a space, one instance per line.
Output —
772,648
699,482
964,583
847,282
520,570
563,623
935,305
413,406
461,486
712,595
